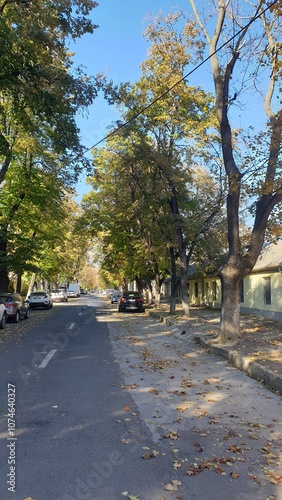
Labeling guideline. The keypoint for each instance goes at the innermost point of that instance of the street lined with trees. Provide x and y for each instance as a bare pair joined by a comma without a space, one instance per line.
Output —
41,154
179,177
174,131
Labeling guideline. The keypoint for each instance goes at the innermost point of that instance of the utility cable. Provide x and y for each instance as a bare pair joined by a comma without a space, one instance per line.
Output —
115,131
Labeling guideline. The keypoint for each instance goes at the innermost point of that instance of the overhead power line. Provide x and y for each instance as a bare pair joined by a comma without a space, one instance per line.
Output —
142,111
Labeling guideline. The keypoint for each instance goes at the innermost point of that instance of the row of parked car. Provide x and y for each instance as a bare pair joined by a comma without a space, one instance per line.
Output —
14,307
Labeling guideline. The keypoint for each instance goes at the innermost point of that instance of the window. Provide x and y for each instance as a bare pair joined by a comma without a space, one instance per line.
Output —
196,289
242,293
267,291
214,290
207,290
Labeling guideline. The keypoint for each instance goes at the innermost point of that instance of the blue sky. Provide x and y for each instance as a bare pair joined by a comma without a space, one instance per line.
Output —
116,48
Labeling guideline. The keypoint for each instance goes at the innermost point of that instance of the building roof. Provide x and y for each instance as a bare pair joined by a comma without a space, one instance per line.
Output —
270,257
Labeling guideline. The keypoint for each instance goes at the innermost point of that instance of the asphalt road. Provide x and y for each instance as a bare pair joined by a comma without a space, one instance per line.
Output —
67,439
87,396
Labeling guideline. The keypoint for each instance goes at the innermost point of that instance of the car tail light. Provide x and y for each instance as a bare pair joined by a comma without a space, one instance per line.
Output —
123,299
138,299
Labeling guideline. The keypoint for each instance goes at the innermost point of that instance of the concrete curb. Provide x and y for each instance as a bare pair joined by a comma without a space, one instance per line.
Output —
244,363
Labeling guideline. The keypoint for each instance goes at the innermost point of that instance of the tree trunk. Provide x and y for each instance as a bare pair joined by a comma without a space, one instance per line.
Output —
173,283
184,285
4,278
139,285
230,304
149,293
19,283
31,284
158,283
182,251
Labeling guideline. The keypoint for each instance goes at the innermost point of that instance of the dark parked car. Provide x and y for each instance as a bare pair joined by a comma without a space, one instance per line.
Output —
16,306
131,301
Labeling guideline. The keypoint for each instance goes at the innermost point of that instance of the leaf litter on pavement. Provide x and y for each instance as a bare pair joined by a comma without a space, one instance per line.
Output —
236,437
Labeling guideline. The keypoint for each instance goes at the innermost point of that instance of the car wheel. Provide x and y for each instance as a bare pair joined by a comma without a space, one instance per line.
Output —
3,321
17,317
66,299
51,305
27,314
119,309
48,306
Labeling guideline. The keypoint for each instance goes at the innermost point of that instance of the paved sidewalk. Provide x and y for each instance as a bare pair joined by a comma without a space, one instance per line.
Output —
258,353
222,429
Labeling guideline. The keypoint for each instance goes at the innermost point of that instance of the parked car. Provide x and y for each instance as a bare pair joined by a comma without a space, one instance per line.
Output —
40,299
59,295
131,301
16,307
3,316
115,297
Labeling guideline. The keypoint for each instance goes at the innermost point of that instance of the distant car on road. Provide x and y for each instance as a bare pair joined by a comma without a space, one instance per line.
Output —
40,299
131,301
16,307
115,297
3,316
59,295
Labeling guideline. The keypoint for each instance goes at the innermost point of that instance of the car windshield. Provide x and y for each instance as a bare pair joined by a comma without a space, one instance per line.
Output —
38,294
57,291
131,295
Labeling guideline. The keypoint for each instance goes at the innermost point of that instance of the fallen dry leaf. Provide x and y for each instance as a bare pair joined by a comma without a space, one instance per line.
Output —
130,386
178,393
176,464
170,487
172,435
234,448
272,476
234,475
173,486
187,383
198,446
153,454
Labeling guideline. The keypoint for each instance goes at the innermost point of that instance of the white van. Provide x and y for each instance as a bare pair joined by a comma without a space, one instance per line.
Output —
73,290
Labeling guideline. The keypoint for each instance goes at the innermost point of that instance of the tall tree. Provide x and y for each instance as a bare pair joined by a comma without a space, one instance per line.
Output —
40,95
254,34
36,84
180,124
